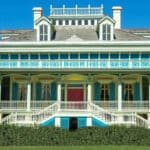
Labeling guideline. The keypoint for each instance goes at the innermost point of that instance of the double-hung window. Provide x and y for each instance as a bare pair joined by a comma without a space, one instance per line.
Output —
43,32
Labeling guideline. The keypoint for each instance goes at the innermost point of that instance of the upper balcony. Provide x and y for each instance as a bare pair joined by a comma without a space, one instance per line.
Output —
90,11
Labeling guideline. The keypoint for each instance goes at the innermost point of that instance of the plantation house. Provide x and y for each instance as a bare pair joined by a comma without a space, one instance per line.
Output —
75,68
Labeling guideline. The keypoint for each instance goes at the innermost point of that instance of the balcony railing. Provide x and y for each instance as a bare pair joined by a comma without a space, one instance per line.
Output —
22,105
76,64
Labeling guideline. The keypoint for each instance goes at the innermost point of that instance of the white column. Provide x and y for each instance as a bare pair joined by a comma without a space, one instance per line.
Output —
29,93
89,121
149,92
57,121
59,92
89,92
119,94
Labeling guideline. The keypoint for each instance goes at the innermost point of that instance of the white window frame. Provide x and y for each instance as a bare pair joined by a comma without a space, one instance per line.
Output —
43,22
101,30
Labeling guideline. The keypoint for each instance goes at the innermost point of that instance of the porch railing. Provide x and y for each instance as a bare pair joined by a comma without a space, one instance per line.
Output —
94,110
77,64
129,106
22,105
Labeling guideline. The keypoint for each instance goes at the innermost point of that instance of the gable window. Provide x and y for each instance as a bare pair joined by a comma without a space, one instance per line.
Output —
43,32
106,32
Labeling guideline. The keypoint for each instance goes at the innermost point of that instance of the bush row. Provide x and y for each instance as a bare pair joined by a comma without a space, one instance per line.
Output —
51,136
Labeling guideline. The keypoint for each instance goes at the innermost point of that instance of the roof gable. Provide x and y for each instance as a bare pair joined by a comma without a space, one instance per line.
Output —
106,18
42,19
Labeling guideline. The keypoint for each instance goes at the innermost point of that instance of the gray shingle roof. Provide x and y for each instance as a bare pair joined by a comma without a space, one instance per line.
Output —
66,33
18,35
70,33
123,35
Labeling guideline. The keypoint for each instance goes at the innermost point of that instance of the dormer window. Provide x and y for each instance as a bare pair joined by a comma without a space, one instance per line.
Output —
106,32
43,32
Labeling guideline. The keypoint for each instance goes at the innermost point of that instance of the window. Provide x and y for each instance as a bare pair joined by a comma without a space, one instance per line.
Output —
60,22
67,22
22,91
46,91
92,22
104,92
106,32
128,92
86,22
79,22
43,32
73,22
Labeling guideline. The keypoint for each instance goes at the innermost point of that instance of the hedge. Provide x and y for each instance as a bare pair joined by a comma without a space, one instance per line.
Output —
51,136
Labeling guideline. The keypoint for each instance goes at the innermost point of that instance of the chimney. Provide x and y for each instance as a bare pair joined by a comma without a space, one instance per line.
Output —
117,16
37,13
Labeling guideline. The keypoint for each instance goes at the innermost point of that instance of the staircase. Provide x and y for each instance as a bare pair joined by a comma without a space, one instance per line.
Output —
76,109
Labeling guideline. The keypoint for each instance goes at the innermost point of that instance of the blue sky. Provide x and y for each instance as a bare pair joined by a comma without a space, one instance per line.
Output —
17,14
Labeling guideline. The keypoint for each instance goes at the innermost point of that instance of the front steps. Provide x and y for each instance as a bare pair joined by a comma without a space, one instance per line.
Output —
52,116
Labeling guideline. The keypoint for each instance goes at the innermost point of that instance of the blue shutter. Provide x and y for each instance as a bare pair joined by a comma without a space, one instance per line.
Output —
38,91
112,91
15,91
64,122
136,91
53,91
82,122
97,91
123,96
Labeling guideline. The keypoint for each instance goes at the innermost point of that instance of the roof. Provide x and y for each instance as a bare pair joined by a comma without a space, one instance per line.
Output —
18,35
84,33
74,33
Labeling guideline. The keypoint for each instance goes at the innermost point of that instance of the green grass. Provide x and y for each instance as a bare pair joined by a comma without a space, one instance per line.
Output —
76,148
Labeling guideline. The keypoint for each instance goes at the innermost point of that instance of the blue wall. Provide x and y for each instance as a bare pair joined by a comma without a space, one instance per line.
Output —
50,122
82,122
64,122
97,123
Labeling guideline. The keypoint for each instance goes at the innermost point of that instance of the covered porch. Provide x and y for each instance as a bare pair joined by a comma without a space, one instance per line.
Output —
117,92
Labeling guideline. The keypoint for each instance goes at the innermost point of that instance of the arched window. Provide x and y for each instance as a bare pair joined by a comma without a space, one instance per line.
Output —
106,32
43,32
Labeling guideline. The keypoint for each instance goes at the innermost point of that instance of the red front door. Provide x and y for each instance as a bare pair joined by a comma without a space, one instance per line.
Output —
75,95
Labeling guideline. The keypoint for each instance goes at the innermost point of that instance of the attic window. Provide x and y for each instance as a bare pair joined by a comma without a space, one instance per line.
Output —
43,32
106,32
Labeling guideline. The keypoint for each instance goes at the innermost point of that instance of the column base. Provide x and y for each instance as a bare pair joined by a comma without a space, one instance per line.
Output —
57,121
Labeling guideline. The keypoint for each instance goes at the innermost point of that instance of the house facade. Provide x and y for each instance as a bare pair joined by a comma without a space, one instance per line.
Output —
75,68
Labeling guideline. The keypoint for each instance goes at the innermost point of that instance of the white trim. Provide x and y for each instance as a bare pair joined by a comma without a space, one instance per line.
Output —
57,121
89,121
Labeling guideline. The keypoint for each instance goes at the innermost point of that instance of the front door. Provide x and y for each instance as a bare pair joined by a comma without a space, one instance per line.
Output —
75,94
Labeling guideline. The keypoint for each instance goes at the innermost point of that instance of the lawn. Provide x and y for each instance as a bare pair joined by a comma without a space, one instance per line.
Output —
77,148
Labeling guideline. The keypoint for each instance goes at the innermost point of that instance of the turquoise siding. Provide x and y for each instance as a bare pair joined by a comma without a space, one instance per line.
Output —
53,91
82,122
97,123
15,91
64,122
136,91
50,122
97,91
38,91
112,91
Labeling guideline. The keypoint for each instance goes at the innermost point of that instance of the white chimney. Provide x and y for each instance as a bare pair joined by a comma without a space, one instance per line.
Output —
117,16
37,13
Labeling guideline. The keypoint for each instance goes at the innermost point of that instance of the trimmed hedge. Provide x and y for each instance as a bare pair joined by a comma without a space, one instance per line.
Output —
51,136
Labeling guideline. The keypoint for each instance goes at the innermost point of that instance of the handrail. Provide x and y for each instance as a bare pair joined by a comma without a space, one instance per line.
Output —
95,110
